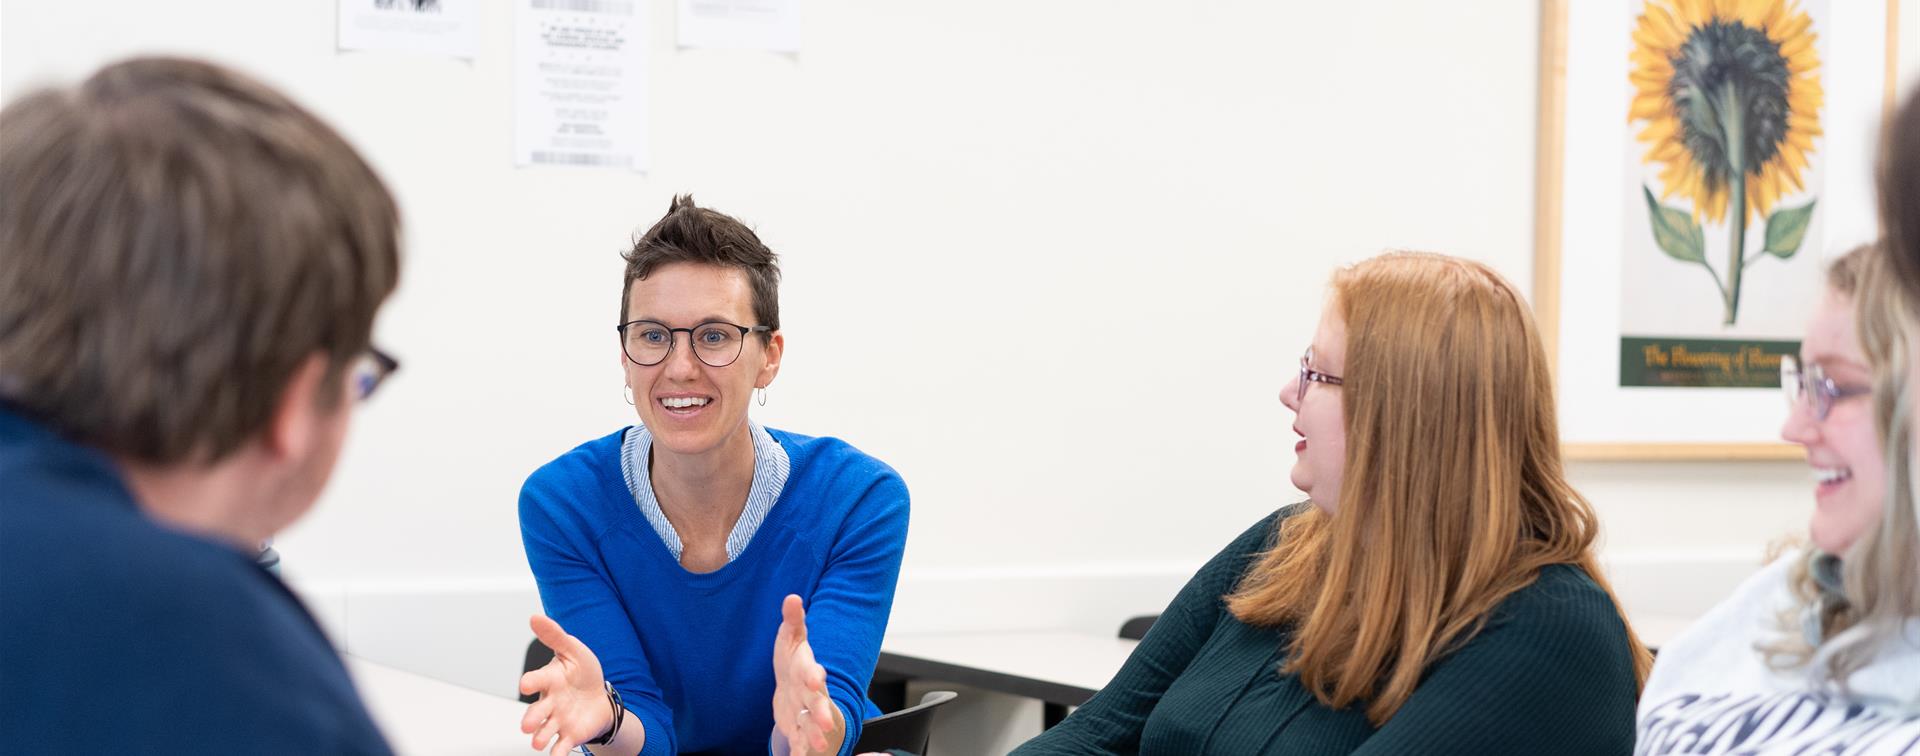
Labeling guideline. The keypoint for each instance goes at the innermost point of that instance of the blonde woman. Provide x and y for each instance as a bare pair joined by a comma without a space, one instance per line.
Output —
1437,595
1820,651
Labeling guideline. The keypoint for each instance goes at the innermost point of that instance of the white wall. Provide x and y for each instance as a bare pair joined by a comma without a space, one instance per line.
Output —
1908,44
1169,184
1164,185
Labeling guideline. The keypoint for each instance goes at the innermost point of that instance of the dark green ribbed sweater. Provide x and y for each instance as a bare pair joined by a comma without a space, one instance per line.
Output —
1551,673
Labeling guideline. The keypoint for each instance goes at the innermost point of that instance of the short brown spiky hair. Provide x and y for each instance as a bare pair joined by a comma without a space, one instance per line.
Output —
696,234
175,240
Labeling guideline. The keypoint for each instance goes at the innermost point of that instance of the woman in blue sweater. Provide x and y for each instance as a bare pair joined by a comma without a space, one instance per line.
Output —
682,553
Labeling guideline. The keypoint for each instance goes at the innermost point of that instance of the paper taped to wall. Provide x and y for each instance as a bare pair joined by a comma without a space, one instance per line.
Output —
580,88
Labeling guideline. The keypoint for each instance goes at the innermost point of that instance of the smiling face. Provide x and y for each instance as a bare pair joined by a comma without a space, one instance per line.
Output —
1321,454
1849,469
692,408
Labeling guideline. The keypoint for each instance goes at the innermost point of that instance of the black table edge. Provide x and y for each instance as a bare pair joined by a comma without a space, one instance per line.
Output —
1047,691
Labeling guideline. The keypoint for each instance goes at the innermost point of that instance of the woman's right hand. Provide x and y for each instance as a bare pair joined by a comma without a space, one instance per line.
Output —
573,705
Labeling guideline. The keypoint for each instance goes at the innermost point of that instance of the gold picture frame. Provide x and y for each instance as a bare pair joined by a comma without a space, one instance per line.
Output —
1550,176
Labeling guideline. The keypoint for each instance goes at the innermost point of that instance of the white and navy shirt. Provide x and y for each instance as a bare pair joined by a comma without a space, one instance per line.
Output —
1712,692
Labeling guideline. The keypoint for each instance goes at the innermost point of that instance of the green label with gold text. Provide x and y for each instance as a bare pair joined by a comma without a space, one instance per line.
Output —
1702,363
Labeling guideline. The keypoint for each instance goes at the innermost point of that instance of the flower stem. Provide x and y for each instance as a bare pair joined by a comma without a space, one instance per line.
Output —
1733,129
1736,242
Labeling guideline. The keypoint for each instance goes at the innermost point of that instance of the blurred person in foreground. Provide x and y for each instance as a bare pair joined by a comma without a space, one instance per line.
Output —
190,265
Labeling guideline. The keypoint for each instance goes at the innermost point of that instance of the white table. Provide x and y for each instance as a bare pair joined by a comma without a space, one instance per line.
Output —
1061,669
422,716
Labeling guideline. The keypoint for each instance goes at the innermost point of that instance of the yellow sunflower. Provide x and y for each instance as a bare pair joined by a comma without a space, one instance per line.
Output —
1730,93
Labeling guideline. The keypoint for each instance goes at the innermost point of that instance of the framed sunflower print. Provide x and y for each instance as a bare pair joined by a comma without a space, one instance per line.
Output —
1699,163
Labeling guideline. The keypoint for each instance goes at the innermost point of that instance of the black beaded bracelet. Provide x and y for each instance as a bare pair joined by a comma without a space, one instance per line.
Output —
619,715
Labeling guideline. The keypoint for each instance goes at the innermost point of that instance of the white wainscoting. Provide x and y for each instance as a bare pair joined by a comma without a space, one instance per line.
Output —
473,632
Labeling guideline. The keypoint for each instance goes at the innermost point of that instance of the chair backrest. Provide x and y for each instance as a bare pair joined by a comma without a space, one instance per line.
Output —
908,729
1136,628
537,656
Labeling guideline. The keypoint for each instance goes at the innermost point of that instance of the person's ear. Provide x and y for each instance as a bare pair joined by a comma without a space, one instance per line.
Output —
776,345
301,410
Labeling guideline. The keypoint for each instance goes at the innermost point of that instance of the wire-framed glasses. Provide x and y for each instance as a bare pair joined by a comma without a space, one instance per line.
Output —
716,343
1812,383
1310,375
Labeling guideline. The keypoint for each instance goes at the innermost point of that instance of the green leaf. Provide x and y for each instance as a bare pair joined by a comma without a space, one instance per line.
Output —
1677,233
1786,228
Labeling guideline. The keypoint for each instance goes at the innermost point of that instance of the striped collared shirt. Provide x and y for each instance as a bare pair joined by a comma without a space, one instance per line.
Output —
770,468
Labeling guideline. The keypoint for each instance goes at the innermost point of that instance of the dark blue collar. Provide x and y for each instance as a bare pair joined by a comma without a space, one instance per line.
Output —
32,453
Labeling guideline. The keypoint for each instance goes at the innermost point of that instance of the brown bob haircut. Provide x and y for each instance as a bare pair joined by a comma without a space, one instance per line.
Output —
1454,494
688,233
175,240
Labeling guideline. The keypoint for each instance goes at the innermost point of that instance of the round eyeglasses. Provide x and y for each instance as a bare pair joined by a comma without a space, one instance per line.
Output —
1812,382
716,343
369,370
1310,375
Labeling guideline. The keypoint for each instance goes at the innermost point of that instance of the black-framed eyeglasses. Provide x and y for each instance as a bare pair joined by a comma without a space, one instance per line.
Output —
717,343
369,370
1812,382
1310,375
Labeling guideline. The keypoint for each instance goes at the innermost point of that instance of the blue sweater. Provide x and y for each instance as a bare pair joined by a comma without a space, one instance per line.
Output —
120,635
692,654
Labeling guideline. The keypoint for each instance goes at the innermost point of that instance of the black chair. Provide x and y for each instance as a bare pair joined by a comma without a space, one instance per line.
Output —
537,656
907,729
1136,628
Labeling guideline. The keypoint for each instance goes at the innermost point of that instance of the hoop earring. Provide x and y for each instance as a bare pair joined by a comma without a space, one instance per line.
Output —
627,393
760,394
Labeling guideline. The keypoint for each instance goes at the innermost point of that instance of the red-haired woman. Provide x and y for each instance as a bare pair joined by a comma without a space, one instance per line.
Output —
1439,592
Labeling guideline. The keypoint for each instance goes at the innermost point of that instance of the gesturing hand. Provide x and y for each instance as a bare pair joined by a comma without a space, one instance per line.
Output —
573,697
802,712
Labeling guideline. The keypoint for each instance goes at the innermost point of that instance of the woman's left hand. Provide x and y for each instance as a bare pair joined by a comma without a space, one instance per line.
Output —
802,711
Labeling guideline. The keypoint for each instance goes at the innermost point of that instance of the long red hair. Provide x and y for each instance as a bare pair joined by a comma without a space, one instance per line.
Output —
1454,494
